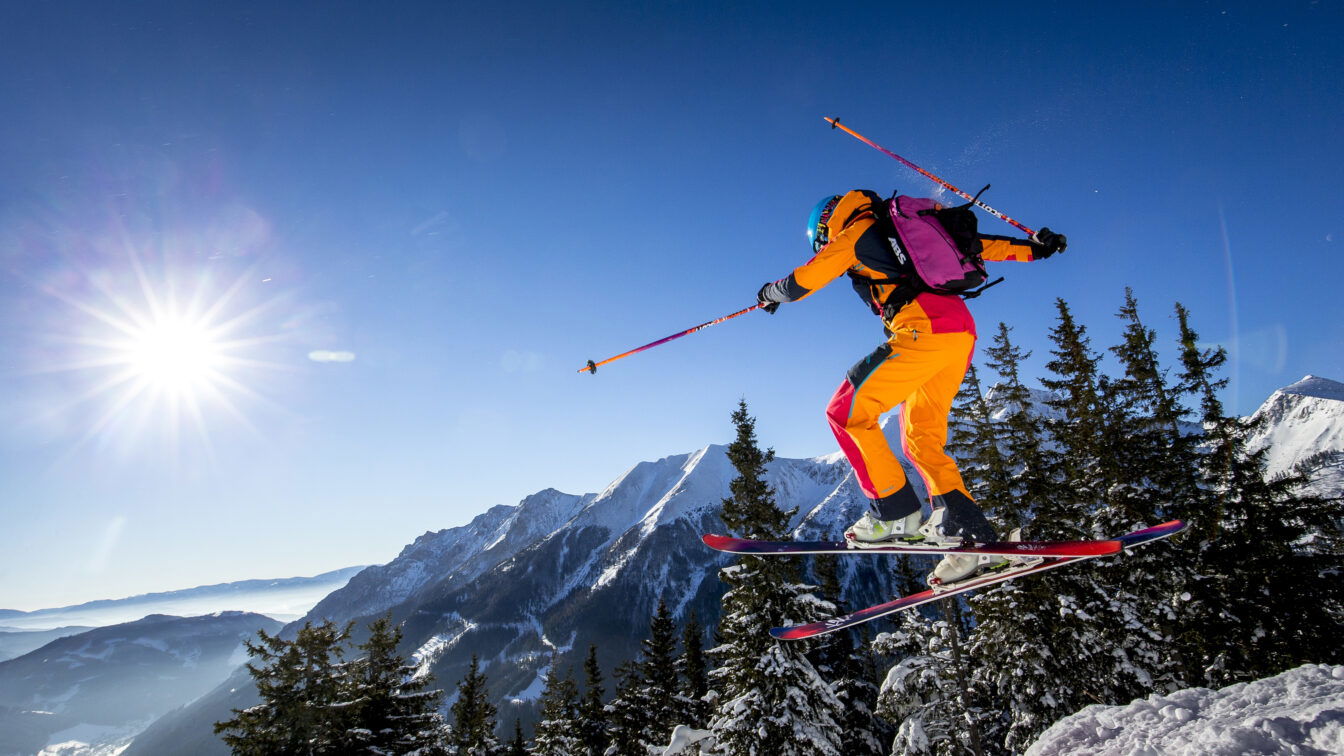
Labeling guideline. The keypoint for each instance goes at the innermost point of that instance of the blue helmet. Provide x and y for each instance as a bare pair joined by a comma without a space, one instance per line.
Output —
817,231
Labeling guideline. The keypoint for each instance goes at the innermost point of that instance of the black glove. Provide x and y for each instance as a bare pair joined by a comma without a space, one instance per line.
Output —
768,305
1048,242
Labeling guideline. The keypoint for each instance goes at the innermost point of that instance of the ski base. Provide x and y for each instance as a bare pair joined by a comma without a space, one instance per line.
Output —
813,629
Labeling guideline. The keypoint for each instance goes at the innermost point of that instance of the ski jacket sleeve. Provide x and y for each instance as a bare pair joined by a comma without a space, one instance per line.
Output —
832,261
1007,249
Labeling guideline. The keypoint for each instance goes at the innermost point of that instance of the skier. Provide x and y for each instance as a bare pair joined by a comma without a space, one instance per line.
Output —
930,341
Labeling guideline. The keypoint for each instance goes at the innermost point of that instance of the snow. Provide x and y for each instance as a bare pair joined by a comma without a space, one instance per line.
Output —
1321,388
684,736
1298,712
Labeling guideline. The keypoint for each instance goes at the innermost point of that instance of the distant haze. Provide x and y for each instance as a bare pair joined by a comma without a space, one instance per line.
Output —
282,599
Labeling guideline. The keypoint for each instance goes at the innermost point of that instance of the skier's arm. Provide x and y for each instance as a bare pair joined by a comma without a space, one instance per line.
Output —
828,264
1007,248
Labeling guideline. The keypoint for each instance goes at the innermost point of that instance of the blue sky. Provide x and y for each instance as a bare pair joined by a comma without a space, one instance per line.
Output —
469,202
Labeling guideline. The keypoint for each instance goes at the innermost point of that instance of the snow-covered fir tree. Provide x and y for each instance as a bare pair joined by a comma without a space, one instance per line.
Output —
693,668
771,700
517,745
625,712
849,669
592,722
473,726
388,708
557,734
1253,533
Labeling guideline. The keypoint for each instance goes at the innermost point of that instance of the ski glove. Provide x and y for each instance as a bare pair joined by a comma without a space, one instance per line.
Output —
763,299
1048,243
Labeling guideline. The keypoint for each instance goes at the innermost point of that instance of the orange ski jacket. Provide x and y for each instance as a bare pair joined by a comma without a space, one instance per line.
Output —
858,247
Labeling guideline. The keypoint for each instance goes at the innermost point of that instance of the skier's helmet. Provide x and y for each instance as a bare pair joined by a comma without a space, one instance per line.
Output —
817,231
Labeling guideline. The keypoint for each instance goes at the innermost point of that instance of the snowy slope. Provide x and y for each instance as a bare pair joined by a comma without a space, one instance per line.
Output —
1300,711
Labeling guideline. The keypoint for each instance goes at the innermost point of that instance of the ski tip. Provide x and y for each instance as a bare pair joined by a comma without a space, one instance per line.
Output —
716,541
791,633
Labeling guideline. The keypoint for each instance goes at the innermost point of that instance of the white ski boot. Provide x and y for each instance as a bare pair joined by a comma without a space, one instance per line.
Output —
958,568
870,531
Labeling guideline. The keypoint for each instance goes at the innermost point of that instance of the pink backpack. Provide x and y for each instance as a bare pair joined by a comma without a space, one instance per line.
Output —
942,245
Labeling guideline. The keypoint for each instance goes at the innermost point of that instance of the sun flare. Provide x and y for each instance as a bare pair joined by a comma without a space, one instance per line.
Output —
175,354
166,353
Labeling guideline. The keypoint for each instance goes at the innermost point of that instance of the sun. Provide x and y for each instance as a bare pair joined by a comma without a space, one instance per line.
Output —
167,352
176,355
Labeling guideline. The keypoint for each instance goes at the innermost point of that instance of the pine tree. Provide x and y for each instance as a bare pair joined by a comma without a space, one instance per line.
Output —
974,440
1024,485
473,730
658,668
693,668
625,713
928,693
517,746
557,733
848,668
592,723
1048,646
1255,532
772,701
300,687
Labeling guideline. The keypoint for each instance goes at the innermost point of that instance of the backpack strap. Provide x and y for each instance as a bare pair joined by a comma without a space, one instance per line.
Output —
977,292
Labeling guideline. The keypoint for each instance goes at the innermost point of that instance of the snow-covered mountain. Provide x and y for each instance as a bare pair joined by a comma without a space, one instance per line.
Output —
98,688
532,585
527,586
1301,422
1299,711
284,599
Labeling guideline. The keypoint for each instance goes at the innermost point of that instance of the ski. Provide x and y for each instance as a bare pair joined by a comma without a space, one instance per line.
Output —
796,632
1003,548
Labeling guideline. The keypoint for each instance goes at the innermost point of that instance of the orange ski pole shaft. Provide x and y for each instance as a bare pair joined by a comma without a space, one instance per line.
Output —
835,124
592,367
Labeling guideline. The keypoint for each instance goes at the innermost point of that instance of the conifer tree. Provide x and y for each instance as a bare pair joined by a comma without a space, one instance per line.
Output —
693,668
1024,485
625,712
592,724
658,667
973,439
848,668
517,746
927,694
772,701
300,687
473,731
557,733
1255,532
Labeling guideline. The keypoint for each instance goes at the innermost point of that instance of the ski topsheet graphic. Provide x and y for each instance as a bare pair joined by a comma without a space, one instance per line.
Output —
1137,538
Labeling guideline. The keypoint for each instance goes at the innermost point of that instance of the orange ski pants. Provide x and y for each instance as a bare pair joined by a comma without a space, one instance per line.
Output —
922,371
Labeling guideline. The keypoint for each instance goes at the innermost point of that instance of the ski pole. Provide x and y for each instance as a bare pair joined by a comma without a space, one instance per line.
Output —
592,367
835,124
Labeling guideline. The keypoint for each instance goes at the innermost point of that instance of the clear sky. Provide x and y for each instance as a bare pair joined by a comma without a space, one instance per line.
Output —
284,285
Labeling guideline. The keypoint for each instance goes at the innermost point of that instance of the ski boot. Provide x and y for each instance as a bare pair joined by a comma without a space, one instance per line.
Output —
890,520
956,520
870,531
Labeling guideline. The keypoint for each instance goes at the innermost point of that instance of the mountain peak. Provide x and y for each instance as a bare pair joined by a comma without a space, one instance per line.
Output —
1315,386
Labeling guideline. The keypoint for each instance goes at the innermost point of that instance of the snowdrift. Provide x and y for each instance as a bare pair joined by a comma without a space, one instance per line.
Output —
1299,711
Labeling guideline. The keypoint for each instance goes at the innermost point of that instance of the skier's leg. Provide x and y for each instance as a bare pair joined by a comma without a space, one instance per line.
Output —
873,386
